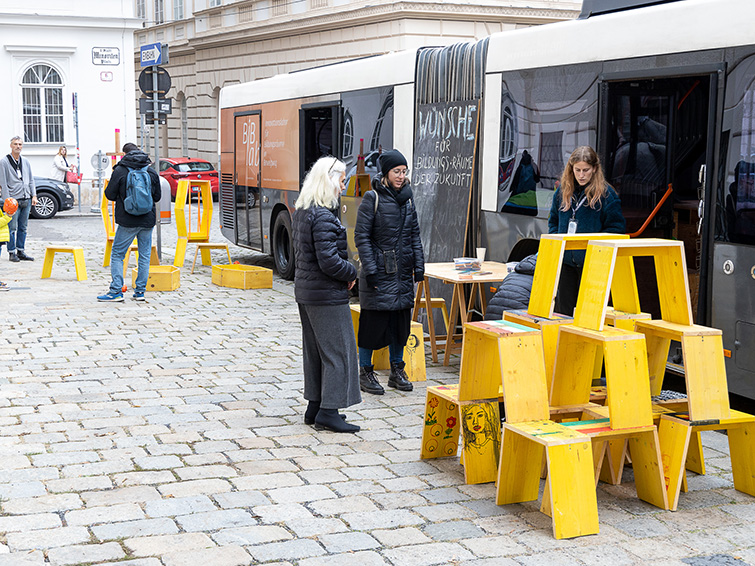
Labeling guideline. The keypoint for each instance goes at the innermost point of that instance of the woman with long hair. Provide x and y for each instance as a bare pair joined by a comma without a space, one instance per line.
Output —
583,203
323,279
390,250
60,165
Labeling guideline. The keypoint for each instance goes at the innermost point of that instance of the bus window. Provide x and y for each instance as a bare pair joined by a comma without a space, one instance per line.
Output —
319,131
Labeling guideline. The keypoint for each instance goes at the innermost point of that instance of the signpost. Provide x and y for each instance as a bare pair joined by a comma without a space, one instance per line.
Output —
99,162
151,56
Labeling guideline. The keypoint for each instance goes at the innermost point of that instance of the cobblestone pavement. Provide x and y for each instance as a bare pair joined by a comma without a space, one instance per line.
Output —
170,433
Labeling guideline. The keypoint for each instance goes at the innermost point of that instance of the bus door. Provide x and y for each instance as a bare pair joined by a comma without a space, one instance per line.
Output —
247,178
656,133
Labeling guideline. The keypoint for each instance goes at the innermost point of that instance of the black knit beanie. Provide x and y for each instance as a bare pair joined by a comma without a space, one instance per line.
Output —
390,160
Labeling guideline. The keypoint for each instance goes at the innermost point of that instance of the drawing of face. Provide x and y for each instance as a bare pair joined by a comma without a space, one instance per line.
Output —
475,419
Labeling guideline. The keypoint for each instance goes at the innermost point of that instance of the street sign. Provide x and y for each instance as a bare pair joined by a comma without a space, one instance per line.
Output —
106,56
163,81
164,106
100,160
151,54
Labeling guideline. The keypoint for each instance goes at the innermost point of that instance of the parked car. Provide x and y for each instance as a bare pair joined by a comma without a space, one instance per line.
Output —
191,169
52,196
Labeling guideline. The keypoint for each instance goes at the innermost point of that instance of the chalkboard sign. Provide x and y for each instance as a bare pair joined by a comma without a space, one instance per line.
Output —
444,146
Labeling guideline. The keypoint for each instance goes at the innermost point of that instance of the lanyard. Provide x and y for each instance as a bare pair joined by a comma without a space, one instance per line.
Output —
579,204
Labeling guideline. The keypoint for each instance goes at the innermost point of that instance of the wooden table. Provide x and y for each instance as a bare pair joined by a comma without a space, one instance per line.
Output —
490,272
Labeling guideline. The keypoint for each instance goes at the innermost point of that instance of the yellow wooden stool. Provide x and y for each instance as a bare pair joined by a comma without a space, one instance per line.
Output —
205,248
414,350
422,300
78,260
490,351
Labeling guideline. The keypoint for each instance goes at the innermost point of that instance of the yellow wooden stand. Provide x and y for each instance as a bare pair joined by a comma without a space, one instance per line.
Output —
491,351
161,278
78,260
240,276
153,259
414,350
201,233
205,248
107,211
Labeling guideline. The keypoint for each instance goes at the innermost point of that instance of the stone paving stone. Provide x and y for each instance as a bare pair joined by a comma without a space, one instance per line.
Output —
194,487
96,515
487,547
43,504
297,549
222,556
198,472
159,545
47,538
132,529
179,506
316,526
367,558
400,537
159,462
428,554
22,490
246,536
550,558
122,495
445,512
29,522
214,520
301,494
240,499
33,558
143,478
79,554
348,542
381,519
137,562
453,530
272,480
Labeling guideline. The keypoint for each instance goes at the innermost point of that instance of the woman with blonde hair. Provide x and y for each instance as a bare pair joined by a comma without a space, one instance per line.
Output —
323,279
583,203
60,165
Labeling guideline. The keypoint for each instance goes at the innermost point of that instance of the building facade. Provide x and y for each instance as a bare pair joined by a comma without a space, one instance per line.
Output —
52,51
215,43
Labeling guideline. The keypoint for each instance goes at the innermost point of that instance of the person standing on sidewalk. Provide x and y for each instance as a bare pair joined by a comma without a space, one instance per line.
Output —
130,226
323,279
17,181
390,250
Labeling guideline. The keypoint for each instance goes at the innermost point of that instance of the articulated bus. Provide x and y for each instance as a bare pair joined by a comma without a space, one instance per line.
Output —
665,91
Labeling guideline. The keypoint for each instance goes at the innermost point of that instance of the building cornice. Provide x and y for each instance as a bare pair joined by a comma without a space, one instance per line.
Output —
68,21
291,25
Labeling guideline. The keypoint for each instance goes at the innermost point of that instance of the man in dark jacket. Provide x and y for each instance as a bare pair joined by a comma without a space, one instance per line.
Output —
130,226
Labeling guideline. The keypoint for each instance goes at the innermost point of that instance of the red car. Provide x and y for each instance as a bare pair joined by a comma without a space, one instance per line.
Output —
179,168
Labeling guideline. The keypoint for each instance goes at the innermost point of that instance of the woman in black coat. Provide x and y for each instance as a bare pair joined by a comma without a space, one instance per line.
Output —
323,279
390,251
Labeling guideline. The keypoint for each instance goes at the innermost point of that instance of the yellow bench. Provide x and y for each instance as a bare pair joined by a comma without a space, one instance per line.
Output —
78,260
205,248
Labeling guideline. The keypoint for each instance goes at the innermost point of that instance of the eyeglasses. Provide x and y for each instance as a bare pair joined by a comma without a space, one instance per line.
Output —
400,172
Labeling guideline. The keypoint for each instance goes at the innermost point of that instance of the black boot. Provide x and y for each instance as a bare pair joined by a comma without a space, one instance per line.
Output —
312,408
398,378
368,382
23,256
329,419
13,257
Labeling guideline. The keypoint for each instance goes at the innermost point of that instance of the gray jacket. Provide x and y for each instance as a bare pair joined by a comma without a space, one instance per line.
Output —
11,185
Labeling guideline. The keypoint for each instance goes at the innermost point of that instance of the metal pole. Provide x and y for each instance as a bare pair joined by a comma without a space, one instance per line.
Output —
155,121
78,153
96,208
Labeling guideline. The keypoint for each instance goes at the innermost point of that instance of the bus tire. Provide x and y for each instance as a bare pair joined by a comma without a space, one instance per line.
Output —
283,246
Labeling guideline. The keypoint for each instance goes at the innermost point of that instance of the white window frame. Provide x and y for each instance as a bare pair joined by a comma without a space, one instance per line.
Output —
141,9
159,11
215,3
49,97
178,9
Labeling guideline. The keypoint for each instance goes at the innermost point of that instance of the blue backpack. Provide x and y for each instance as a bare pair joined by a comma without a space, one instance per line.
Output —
138,199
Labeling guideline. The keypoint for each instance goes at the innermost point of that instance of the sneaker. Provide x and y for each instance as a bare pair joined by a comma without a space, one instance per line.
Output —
111,298
137,296
4,286
13,257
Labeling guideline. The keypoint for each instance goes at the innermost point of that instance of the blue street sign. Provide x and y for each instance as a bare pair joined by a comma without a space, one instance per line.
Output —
151,54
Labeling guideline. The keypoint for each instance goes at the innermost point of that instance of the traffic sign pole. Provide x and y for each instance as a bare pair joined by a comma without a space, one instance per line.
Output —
155,125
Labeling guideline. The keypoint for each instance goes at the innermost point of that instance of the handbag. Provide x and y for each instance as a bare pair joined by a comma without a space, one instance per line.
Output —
72,177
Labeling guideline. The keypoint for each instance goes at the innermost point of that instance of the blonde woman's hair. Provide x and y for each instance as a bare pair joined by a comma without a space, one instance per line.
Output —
597,187
61,148
320,184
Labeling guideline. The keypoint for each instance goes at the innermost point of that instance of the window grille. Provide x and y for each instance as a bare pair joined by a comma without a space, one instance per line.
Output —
280,7
42,99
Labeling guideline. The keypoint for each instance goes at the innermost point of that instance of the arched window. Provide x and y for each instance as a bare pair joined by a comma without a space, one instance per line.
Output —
42,97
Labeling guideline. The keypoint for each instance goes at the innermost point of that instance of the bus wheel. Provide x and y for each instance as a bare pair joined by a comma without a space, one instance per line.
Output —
283,246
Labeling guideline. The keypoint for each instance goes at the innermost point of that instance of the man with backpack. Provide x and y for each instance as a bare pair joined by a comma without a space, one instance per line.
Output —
135,188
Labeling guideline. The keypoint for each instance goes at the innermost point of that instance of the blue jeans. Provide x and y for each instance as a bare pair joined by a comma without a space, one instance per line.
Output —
395,355
17,226
124,235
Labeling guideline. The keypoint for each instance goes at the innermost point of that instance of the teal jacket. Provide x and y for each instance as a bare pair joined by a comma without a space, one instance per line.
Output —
605,217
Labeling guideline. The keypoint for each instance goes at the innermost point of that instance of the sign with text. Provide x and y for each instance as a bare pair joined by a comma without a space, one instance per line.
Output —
444,158
153,54
106,56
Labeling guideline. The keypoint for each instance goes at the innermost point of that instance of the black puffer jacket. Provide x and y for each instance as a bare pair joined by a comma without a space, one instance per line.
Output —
116,190
514,292
393,227
323,271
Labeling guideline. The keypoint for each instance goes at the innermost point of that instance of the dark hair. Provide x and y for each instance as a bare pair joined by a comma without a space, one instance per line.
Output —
129,147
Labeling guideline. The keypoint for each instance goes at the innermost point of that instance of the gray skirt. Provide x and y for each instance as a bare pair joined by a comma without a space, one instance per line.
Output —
331,369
